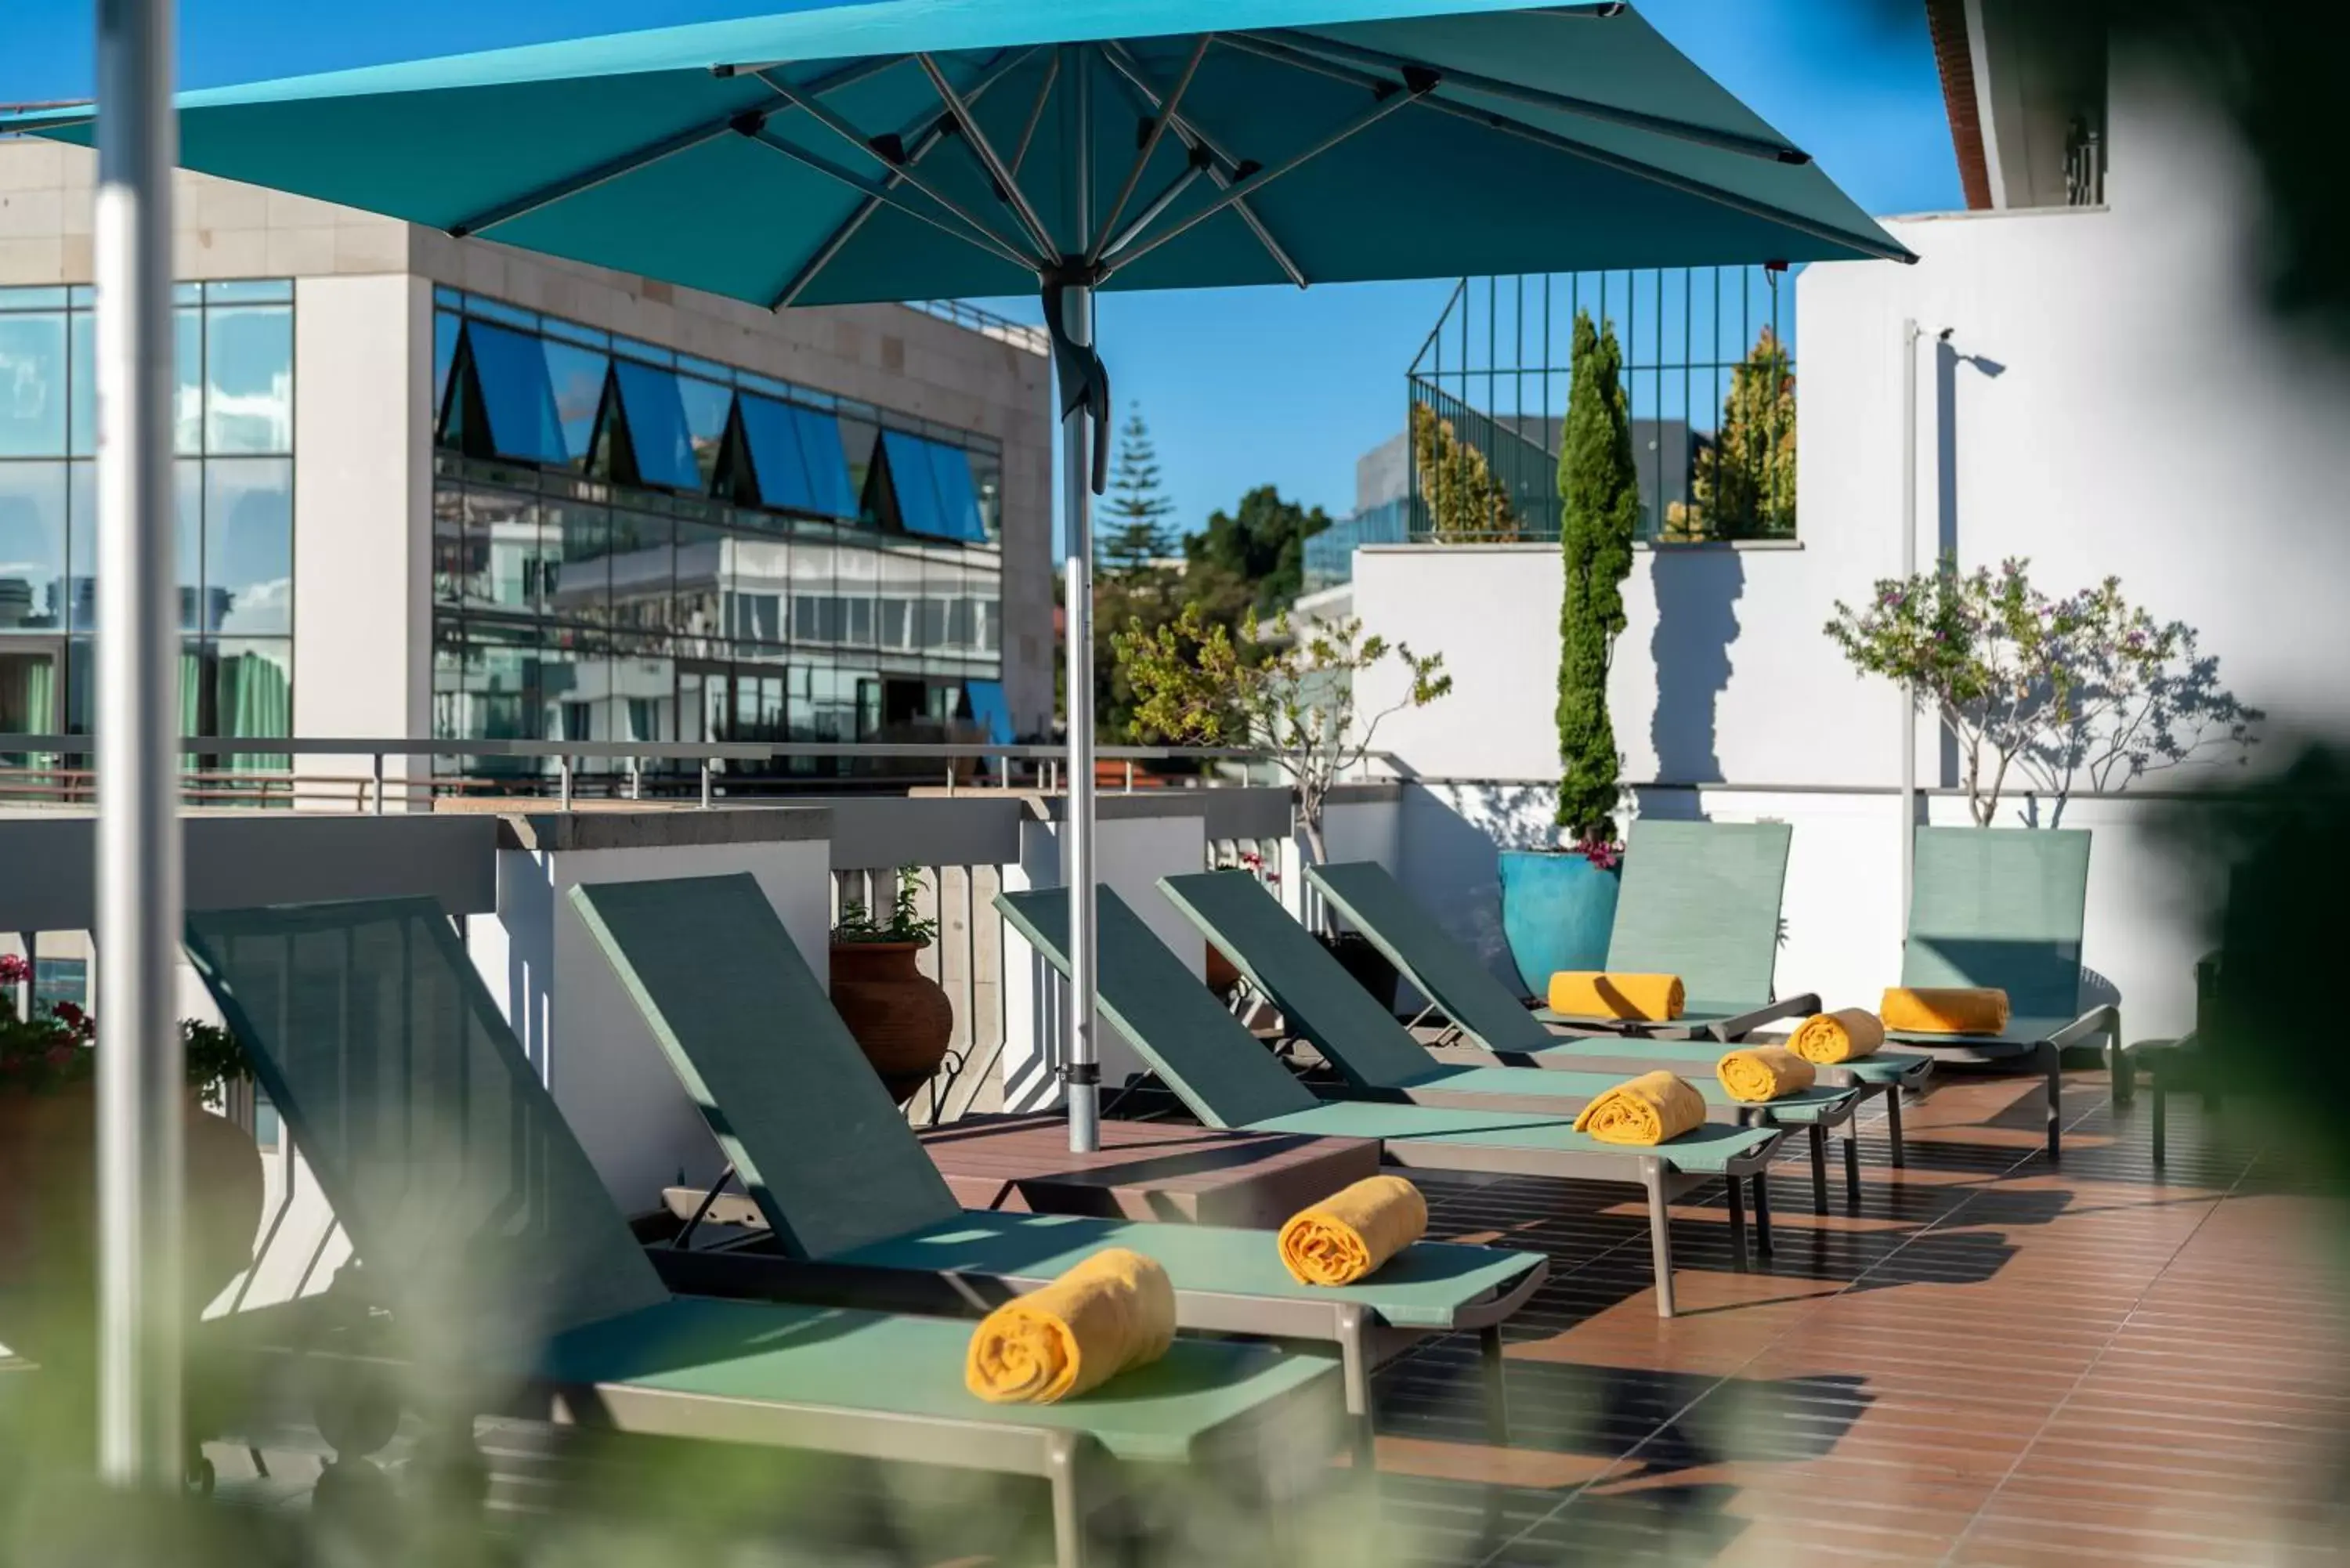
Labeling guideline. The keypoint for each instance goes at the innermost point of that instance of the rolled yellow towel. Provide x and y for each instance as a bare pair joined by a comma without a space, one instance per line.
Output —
1653,1108
1353,1231
1592,994
1843,1035
1944,1010
1114,1311
1758,1073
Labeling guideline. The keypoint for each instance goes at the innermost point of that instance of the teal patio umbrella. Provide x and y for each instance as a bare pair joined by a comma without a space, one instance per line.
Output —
952,149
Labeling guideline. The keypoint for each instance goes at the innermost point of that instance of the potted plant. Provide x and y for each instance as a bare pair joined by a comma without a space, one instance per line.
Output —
1558,905
49,1160
900,1017
1289,691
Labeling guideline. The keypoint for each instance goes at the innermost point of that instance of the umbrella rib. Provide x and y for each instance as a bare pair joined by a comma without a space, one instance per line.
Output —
642,157
924,143
1007,184
1149,145
977,237
1417,87
1556,142
1035,110
1538,97
1198,140
1197,164
897,165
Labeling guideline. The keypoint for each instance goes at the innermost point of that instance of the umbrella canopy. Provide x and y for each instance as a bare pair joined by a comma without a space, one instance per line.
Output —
927,149
952,149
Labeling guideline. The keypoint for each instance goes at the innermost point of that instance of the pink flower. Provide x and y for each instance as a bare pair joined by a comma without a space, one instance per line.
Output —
14,970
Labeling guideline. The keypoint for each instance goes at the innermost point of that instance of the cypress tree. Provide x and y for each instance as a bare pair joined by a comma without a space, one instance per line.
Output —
1598,488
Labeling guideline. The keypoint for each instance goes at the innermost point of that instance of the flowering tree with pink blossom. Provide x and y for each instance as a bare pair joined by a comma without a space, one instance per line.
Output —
2086,690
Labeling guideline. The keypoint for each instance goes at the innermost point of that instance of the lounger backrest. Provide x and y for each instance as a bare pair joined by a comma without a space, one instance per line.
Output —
814,1137
443,1156
1316,996
1444,971
1701,899
2000,907
1221,1072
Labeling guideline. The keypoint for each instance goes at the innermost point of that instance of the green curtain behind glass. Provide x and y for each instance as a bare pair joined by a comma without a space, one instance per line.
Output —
256,699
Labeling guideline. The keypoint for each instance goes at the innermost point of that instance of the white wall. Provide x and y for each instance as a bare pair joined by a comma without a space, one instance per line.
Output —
1138,839
577,1023
2113,399
362,523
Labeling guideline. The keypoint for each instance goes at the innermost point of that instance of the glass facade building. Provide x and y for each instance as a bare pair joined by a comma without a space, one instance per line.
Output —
634,544
233,429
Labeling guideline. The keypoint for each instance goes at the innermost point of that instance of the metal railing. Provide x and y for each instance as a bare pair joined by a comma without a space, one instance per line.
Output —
638,770
986,323
2084,164
1708,373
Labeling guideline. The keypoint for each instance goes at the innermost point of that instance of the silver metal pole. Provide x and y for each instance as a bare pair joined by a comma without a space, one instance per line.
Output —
1908,569
140,1070
1076,505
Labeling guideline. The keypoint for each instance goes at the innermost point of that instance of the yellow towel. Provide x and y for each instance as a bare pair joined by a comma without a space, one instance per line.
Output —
1589,994
1114,1311
1653,1108
1354,1231
1759,1072
1944,1010
1843,1035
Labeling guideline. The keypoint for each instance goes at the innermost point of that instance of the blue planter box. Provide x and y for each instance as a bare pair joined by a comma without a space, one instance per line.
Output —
1558,910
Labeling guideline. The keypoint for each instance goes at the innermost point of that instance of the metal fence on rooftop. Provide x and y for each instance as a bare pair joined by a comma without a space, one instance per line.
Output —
1708,373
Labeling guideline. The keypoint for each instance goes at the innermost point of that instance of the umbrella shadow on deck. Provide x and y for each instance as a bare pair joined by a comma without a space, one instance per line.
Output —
1602,1461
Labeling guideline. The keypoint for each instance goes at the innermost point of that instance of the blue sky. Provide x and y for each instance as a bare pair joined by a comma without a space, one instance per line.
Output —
1241,387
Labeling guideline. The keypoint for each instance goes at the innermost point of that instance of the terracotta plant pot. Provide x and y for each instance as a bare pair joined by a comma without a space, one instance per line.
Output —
49,1210
900,1017
1223,975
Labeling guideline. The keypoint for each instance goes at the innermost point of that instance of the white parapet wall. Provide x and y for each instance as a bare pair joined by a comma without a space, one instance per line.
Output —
574,1020
1139,838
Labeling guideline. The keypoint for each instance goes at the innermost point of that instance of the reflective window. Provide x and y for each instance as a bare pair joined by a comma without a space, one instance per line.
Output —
446,328
188,534
573,578
448,558
81,376
32,385
658,432
574,376
706,405
252,693
249,380
829,489
958,498
188,383
501,549
32,545
778,466
248,559
643,571
914,484
517,400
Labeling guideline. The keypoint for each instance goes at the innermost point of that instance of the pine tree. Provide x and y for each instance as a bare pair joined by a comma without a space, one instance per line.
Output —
1600,496
1135,532
1742,481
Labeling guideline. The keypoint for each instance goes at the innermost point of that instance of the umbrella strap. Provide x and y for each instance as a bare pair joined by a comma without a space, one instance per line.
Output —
1085,381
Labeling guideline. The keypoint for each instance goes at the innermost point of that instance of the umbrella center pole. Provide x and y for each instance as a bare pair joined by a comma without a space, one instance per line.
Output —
1081,1069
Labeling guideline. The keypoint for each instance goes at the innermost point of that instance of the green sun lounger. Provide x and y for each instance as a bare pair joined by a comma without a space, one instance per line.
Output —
1378,1056
2005,908
478,1221
858,1215
1486,1020
1700,900
1228,1079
